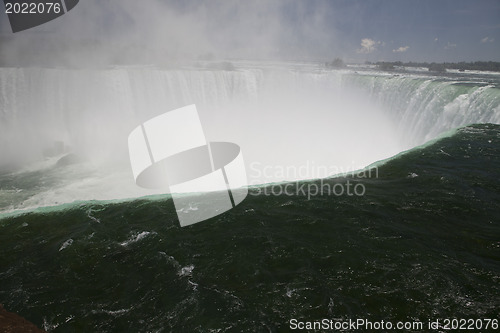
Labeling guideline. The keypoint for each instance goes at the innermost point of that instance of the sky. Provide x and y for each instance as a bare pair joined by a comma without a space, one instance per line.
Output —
103,32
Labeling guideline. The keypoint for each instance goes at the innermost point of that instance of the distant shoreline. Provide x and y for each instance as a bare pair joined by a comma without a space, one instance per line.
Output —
491,66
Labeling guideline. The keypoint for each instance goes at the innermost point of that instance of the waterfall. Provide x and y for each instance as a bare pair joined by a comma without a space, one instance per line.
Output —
91,111
284,116
423,108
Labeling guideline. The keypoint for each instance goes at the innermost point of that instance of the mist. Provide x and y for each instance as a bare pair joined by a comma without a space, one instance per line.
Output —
111,32
278,116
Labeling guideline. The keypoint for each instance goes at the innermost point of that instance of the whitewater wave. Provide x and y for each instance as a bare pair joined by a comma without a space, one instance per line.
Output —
66,244
137,237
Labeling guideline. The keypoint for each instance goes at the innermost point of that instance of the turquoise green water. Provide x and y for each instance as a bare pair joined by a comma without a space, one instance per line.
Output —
421,243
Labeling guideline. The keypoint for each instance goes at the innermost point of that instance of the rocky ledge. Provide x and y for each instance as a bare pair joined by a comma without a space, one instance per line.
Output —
12,323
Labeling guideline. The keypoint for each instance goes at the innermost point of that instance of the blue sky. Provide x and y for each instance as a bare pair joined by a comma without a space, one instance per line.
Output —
373,30
421,30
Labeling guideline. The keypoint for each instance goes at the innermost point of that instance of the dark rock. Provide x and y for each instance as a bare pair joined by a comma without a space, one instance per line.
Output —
12,323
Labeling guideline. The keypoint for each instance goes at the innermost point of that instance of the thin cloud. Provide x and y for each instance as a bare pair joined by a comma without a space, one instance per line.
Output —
487,40
401,49
368,45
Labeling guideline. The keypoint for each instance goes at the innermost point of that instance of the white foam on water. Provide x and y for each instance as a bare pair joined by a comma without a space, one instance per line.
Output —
186,270
66,244
114,313
137,237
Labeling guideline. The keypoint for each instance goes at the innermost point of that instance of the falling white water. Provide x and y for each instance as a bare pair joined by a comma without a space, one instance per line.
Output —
291,123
